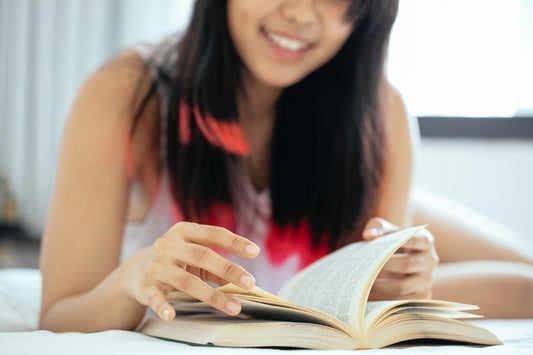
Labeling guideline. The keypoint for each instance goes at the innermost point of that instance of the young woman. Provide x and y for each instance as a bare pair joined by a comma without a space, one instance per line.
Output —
268,125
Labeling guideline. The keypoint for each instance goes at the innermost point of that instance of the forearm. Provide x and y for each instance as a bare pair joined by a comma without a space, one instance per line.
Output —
500,289
106,306
461,234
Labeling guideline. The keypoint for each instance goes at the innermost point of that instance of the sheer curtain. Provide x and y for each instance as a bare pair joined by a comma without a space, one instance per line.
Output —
47,48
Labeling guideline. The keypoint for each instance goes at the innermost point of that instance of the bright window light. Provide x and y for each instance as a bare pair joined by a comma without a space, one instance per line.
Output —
464,57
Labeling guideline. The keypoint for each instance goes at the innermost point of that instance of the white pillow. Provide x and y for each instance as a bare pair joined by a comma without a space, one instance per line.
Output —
20,299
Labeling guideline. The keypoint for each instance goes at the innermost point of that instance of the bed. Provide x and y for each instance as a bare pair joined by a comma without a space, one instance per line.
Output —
19,307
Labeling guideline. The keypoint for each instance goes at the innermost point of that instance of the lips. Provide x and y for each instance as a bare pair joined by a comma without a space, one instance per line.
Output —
288,43
287,48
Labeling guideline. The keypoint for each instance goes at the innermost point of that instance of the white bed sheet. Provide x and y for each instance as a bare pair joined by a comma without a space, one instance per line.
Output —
19,306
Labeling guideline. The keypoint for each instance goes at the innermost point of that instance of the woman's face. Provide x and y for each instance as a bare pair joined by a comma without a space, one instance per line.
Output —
282,41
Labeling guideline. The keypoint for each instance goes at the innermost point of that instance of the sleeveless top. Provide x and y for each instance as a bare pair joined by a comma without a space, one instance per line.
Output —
269,271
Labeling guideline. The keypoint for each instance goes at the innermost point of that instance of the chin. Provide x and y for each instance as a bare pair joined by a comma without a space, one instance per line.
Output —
281,83
280,79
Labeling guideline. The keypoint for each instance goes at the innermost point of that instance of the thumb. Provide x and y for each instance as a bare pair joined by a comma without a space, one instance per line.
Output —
161,307
377,227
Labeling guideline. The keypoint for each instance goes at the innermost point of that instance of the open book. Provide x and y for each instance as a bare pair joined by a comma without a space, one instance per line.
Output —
323,307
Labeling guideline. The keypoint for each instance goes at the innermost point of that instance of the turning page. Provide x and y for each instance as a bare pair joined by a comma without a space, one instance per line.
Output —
339,283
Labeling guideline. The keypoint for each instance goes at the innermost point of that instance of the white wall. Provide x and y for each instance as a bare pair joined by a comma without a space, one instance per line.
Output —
493,177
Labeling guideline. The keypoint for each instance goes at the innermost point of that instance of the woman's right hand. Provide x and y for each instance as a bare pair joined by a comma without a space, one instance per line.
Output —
183,260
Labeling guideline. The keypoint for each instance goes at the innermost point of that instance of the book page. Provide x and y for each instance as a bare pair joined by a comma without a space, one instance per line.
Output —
226,331
254,304
339,283
425,325
377,311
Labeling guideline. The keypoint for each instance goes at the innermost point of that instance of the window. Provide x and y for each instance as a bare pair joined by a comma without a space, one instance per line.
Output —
462,58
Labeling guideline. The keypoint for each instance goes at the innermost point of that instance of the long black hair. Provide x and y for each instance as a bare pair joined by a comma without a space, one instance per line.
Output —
327,151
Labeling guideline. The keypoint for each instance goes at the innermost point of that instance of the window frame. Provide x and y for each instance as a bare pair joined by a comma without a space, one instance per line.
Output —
518,127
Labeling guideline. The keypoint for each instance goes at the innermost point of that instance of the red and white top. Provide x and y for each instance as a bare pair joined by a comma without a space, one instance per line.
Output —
284,251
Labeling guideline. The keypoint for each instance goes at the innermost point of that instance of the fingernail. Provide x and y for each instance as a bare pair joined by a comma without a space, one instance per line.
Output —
233,307
166,313
373,232
247,280
252,249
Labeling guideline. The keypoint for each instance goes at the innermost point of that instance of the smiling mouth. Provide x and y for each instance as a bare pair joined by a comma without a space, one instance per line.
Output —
290,44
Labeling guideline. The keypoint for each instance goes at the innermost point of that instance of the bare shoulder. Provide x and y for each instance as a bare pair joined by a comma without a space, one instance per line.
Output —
105,108
397,116
118,87
403,135
393,98
400,145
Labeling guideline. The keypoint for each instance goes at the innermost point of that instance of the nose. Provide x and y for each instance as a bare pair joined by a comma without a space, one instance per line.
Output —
303,12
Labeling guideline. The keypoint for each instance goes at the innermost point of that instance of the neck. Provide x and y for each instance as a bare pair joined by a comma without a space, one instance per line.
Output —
256,105
257,100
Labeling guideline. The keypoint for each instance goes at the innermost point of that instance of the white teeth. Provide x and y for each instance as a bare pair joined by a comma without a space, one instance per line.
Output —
287,43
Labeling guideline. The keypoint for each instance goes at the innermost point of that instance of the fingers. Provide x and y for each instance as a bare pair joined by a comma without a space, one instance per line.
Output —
216,237
193,286
418,255
409,287
404,264
183,260
157,301
189,244
212,263
422,240
154,297
377,227
206,276
408,274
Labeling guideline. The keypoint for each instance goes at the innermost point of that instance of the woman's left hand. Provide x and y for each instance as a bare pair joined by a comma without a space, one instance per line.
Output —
409,272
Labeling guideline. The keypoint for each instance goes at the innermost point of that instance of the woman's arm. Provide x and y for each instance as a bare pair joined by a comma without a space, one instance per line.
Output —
484,263
462,234
409,272
401,144
84,287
